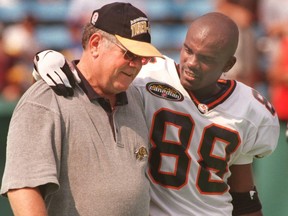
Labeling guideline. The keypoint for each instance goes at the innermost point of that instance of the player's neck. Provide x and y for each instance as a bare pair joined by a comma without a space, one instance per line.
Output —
206,92
209,94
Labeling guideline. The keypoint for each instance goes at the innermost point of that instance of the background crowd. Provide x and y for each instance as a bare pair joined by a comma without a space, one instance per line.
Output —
32,25
29,26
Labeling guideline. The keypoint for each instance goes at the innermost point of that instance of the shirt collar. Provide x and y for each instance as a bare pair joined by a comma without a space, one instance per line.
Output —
121,98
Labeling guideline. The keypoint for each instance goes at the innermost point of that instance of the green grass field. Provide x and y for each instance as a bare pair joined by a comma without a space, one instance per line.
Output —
271,175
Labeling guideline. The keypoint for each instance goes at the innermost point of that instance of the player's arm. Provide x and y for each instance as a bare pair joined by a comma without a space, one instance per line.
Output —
27,201
245,198
54,69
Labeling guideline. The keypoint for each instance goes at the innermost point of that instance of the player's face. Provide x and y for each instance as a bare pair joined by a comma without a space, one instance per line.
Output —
202,61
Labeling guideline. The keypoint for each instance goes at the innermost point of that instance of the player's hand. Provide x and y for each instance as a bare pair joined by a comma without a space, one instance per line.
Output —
52,67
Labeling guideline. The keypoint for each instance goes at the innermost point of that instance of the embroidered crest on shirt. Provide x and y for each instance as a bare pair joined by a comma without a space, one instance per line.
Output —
203,108
164,91
141,153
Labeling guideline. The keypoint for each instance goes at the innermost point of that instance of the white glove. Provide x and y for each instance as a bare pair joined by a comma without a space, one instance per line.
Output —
52,67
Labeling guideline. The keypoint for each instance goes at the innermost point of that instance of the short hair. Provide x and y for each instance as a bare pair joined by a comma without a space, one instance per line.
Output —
89,30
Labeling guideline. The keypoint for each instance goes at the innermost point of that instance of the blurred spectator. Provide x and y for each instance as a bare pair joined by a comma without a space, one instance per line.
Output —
274,18
244,13
5,62
19,45
19,39
278,79
18,80
75,48
8,2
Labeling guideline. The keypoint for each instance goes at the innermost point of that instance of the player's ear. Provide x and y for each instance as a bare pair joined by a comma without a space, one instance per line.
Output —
230,64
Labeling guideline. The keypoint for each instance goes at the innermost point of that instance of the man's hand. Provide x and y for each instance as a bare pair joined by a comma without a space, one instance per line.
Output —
52,67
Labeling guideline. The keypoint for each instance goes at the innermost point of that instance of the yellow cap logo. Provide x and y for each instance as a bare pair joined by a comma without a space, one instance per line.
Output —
139,26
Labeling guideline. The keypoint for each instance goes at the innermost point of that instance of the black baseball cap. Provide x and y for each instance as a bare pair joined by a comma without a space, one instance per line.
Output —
130,26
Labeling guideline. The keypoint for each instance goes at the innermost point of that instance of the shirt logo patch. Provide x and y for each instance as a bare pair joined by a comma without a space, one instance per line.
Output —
141,153
203,108
164,91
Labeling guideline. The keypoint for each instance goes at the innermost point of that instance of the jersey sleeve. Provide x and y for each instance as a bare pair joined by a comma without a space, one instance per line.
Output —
263,133
264,143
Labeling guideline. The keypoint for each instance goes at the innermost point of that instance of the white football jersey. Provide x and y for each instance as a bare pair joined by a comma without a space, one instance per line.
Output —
193,144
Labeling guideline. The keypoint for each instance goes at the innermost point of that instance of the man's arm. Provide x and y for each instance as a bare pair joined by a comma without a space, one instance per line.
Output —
27,202
245,198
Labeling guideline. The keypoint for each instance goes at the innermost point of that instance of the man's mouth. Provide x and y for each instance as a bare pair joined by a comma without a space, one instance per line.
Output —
127,74
191,74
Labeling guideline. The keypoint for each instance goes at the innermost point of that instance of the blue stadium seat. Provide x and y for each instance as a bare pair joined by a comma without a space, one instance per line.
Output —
181,9
10,14
53,37
158,10
196,8
50,11
168,36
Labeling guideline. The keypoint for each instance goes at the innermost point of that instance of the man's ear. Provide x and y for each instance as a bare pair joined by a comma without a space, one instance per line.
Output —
94,42
230,64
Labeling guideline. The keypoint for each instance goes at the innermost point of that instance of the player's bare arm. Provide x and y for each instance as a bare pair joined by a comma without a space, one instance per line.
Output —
244,193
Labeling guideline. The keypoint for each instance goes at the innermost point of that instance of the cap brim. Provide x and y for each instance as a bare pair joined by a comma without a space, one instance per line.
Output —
139,48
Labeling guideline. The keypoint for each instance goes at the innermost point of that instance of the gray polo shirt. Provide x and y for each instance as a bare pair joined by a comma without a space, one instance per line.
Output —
67,145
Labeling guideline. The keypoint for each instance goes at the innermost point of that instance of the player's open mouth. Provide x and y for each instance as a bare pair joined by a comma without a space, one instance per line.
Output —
190,74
